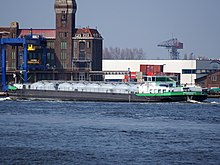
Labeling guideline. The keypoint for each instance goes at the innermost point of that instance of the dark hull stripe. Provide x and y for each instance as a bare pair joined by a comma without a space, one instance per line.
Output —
89,96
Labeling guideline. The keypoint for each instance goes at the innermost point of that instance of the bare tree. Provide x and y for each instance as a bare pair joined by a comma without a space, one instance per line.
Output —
123,54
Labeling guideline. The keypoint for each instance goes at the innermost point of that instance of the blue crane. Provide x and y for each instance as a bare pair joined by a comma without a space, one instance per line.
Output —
24,42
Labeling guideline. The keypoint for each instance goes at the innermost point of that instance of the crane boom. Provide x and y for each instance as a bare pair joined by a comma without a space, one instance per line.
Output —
173,45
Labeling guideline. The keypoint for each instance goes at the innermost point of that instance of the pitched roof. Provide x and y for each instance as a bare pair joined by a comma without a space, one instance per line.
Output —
211,73
47,33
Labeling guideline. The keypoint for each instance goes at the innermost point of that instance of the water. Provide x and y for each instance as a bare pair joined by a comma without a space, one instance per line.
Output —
91,133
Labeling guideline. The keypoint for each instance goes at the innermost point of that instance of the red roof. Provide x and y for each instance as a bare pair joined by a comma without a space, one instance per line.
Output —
51,33
47,33
92,32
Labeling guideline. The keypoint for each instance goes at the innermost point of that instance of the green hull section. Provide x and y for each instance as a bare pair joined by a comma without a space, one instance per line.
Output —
168,94
12,88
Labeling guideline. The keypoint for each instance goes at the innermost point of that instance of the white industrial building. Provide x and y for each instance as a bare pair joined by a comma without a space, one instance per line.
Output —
189,69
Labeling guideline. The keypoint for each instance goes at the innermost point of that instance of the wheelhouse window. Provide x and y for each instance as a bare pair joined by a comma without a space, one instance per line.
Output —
149,79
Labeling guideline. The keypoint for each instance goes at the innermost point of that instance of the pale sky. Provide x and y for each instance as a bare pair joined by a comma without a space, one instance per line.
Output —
132,23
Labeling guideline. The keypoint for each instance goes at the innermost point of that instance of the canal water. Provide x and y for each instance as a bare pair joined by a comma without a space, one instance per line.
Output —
97,133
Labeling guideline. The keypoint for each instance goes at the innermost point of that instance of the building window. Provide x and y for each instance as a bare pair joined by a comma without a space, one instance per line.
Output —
13,64
88,44
63,17
82,56
198,71
63,34
214,78
82,46
13,55
189,71
82,76
63,63
78,35
63,45
75,55
50,59
85,34
50,44
63,55
48,56
75,44
52,56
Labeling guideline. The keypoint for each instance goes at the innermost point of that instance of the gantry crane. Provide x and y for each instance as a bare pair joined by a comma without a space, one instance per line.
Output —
25,42
172,45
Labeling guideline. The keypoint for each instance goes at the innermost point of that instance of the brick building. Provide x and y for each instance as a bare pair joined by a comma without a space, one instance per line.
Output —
72,54
212,80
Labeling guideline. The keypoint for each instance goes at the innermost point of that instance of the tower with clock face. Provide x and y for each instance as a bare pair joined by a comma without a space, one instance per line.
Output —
65,11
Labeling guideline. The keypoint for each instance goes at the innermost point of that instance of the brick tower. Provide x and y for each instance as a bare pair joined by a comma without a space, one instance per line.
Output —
65,26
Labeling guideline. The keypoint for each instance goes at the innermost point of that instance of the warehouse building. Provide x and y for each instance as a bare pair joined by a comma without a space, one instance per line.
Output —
189,70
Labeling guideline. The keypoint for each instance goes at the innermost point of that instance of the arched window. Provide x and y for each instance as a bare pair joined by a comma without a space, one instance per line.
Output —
82,53
82,46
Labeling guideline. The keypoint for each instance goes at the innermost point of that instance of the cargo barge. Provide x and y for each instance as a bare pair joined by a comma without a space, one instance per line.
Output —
153,89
